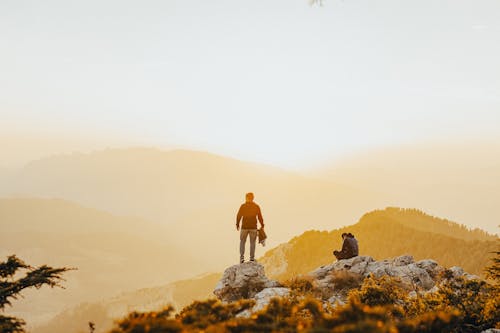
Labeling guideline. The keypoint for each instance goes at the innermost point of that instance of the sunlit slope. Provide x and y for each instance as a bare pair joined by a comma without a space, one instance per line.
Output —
104,312
387,233
460,181
112,253
57,215
195,194
382,234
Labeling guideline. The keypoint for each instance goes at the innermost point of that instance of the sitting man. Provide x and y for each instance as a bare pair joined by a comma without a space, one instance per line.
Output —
349,247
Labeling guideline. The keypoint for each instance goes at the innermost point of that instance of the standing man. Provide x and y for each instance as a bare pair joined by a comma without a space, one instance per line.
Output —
250,212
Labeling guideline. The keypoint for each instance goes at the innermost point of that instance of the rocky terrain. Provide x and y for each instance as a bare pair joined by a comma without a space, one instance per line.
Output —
249,281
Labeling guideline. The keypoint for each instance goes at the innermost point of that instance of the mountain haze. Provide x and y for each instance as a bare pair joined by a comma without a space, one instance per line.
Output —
111,253
380,233
194,194
459,180
104,312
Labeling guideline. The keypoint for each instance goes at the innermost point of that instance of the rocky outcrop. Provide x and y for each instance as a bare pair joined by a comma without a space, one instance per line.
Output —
243,281
249,281
414,275
263,298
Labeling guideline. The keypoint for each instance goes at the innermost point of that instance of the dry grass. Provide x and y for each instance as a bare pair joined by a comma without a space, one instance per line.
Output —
345,280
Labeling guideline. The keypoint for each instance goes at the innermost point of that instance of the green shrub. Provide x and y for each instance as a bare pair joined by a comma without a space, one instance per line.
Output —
149,322
379,291
202,314
300,285
379,305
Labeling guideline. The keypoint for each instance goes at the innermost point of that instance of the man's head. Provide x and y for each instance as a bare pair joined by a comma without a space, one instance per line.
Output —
347,234
249,197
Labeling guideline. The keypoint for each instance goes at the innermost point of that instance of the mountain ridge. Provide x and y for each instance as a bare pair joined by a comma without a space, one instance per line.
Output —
131,252
191,193
322,254
383,237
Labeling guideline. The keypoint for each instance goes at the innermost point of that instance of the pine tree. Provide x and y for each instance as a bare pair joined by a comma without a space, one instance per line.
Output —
493,271
11,287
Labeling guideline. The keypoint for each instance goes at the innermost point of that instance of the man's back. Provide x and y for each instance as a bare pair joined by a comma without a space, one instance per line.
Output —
353,245
250,212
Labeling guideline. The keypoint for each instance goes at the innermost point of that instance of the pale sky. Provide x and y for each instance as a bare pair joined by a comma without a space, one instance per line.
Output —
273,81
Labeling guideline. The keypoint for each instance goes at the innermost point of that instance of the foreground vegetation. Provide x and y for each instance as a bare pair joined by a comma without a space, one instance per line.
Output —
373,305
16,276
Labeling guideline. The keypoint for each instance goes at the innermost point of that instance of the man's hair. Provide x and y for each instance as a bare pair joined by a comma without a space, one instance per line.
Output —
249,195
344,234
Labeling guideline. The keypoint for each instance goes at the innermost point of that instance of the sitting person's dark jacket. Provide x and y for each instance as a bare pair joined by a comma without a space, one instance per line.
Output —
349,247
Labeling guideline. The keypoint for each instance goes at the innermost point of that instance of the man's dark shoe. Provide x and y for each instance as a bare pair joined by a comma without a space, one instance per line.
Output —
242,261
253,260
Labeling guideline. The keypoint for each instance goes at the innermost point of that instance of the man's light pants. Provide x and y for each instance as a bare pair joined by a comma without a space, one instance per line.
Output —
244,233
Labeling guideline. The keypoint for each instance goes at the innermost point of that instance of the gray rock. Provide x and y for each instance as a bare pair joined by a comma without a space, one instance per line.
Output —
242,281
457,271
248,280
357,264
420,275
405,269
431,267
336,301
468,276
263,298
434,289
491,330
403,260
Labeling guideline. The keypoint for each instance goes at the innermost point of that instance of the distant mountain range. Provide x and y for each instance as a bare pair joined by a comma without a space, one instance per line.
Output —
459,180
138,217
194,194
112,253
381,234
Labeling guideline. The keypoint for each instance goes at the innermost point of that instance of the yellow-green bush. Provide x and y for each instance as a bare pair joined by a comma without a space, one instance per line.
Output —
379,305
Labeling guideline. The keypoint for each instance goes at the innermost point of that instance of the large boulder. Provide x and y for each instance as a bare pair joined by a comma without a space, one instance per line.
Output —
263,298
415,275
243,281
249,281
355,265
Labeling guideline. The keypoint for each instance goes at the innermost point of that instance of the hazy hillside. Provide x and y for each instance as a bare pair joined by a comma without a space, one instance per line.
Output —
381,233
103,313
193,193
112,253
460,181
386,233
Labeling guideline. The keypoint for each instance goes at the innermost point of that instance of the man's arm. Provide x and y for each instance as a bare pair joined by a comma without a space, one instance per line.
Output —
345,246
238,218
259,216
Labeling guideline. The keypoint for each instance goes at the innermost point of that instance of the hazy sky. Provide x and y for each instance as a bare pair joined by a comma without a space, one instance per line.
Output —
275,81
